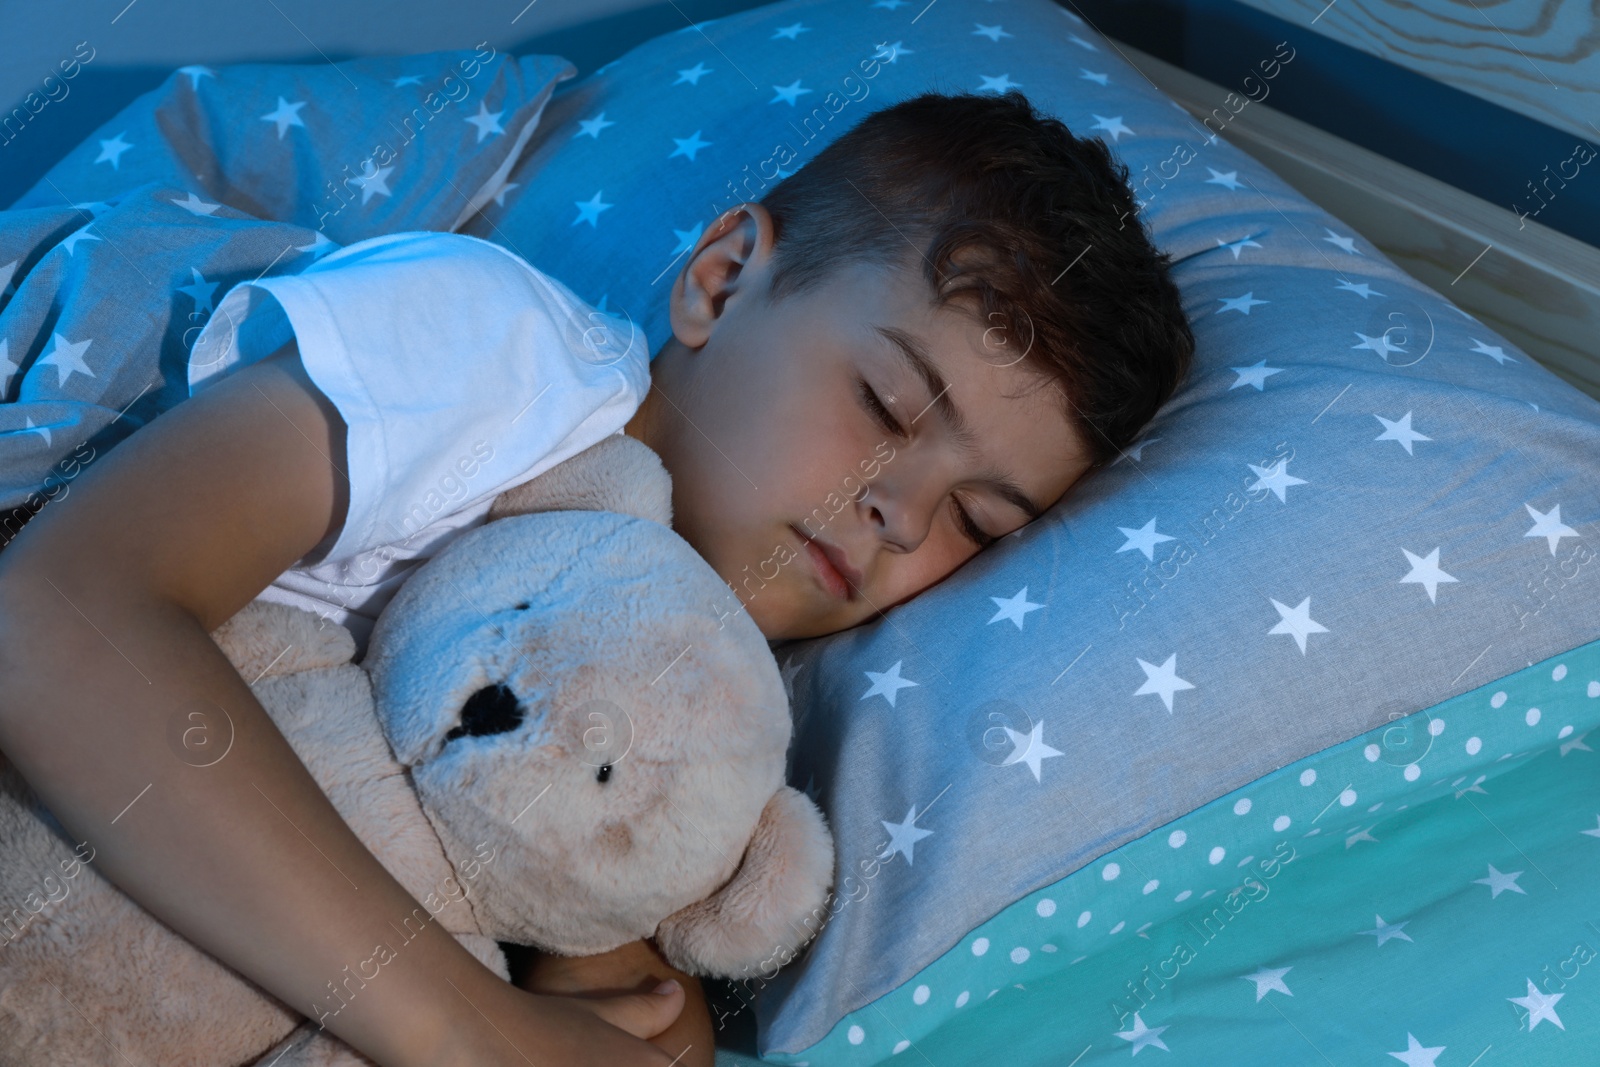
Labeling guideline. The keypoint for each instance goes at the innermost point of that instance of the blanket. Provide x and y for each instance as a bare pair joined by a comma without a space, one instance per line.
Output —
100,307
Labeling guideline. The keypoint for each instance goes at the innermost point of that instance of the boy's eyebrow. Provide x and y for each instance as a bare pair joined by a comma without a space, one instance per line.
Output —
912,351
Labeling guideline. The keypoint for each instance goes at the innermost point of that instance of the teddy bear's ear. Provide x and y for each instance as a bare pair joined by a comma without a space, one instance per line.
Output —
771,906
617,474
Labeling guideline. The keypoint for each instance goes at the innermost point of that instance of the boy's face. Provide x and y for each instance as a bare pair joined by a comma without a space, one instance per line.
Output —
760,413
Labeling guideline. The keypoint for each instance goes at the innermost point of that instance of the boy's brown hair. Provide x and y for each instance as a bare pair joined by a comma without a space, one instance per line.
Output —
1026,223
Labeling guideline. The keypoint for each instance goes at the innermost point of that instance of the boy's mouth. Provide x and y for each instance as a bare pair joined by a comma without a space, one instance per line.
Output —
832,566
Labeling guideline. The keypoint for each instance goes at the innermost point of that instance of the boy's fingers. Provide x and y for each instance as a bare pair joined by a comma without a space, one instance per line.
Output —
644,1015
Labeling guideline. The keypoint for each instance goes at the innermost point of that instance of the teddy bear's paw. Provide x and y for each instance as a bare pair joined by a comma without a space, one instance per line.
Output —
266,638
771,906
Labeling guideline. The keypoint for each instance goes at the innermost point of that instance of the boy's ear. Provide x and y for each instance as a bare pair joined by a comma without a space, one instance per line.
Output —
730,259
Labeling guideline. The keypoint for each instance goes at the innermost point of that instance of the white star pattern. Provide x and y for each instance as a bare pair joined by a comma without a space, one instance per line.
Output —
791,31
500,193
1297,622
319,246
1268,981
788,94
1093,76
1029,748
1256,374
1002,84
1361,289
903,836
7,272
42,431
1112,125
1400,430
285,115
994,33
589,210
1417,1056
1494,352
1142,1035
688,146
592,127
1499,882
485,121
1549,526
70,241
1361,835
67,358
1238,246
111,150
1276,478
887,684
1014,608
9,366
1241,304
1144,539
1426,573
692,75
1379,344
1540,1006
195,206
1227,179
1081,43
891,52
687,238
194,73
1387,931
1346,243
373,180
200,291
1162,681
405,80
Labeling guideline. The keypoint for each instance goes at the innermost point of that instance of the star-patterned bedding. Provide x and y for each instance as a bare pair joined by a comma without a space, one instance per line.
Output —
1364,503
338,152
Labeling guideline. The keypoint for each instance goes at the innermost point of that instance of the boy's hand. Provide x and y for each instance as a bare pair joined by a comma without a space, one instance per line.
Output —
637,967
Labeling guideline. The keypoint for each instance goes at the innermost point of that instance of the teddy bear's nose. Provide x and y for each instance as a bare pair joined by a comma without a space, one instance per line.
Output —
491,710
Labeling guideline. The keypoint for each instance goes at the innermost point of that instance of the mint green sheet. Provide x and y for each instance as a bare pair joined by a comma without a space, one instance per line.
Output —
1427,894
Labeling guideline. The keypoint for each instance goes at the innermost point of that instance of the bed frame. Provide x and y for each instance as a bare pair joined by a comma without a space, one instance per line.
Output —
1538,288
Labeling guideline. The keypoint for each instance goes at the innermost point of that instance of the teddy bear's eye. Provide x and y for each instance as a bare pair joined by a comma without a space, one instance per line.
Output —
603,774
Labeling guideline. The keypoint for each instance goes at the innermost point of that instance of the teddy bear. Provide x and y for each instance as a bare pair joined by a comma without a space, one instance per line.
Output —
554,739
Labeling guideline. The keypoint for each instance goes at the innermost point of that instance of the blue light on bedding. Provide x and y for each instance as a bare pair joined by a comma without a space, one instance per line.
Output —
1428,889
1363,502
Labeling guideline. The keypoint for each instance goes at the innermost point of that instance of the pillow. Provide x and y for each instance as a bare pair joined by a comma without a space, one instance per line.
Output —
1363,502
354,149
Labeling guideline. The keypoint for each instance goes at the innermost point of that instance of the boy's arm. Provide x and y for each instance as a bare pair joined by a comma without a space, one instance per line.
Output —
107,600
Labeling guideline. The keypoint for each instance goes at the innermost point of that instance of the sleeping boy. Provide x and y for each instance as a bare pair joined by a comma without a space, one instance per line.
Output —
908,349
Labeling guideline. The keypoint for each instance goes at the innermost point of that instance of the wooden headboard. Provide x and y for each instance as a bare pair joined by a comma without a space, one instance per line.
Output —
1537,57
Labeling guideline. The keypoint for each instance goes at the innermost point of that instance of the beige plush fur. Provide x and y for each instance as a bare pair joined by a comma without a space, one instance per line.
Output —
574,632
